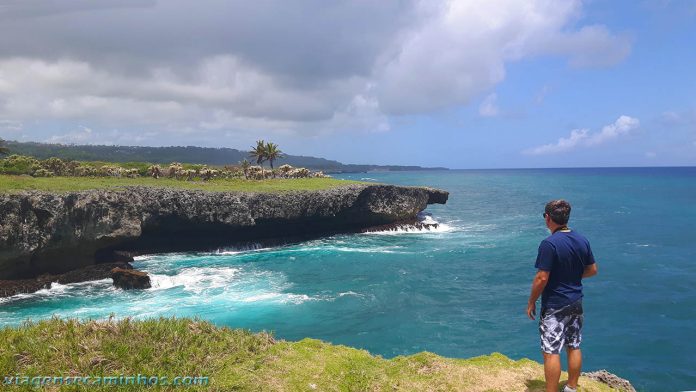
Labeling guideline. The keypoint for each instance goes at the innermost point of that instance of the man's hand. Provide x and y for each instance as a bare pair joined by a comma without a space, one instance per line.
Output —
538,284
531,310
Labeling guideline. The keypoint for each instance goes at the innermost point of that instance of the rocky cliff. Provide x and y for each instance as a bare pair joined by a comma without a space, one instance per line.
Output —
44,232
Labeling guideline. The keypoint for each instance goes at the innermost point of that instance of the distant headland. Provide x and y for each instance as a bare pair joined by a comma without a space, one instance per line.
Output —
186,154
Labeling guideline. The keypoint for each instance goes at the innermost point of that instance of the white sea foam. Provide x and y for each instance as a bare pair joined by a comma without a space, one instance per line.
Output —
350,249
278,297
349,293
255,247
640,245
169,257
15,297
221,252
55,289
408,229
58,290
234,285
195,279
430,225
374,249
476,227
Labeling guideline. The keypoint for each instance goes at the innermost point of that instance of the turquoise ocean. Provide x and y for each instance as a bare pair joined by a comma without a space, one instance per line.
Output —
459,290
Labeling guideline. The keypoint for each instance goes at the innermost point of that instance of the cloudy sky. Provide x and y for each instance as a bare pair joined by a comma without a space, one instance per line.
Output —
462,84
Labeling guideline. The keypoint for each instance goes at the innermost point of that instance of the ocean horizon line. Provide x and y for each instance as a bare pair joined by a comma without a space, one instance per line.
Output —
444,169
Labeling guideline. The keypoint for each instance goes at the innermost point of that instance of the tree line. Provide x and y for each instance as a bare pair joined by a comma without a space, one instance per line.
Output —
263,152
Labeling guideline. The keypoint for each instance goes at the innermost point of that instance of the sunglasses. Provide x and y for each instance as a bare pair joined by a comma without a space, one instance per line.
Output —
544,214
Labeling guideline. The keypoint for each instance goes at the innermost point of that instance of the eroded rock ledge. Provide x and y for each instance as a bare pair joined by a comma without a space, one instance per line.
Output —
43,232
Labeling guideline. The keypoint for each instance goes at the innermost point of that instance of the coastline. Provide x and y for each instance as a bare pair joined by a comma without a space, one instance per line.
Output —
47,234
437,370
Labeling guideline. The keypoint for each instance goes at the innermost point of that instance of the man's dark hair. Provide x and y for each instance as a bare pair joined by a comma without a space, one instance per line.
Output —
559,211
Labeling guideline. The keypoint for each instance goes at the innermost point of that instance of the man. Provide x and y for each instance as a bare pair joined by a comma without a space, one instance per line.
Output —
564,259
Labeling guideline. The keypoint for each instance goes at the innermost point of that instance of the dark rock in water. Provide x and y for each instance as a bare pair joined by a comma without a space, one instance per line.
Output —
611,380
128,279
422,221
91,272
9,288
53,233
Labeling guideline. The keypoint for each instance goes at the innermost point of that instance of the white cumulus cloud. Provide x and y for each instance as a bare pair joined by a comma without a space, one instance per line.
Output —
584,138
213,67
461,48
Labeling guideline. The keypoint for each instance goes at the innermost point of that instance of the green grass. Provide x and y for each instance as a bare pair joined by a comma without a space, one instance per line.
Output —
13,184
237,360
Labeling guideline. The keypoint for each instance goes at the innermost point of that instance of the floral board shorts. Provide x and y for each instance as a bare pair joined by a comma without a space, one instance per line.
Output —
561,327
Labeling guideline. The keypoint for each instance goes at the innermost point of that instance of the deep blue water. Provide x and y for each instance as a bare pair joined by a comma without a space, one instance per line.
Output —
457,291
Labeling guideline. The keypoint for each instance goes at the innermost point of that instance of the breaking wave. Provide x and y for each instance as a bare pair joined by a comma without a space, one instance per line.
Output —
58,290
195,279
426,224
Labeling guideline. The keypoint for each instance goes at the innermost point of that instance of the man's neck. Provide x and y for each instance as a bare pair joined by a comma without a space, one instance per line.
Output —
559,228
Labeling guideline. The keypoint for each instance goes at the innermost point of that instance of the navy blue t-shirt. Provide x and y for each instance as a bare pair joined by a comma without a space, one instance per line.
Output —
565,254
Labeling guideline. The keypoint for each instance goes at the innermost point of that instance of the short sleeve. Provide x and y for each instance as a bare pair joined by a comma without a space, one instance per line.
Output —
589,260
546,256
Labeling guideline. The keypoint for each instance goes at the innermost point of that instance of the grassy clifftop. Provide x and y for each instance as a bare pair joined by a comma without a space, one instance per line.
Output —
234,359
10,184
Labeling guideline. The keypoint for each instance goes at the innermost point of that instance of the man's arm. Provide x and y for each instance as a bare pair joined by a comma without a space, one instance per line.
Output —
538,284
590,270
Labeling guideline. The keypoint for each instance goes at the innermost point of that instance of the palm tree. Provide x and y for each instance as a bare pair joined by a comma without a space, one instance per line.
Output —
4,150
273,153
245,168
258,153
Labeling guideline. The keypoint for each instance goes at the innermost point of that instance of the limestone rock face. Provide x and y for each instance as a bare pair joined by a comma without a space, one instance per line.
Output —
42,232
129,279
612,380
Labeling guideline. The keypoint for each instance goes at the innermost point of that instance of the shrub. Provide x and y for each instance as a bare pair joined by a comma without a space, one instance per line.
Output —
208,174
187,174
232,172
131,173
111,171
285,170
197,168
71,167
257,173
43,173
19,164
86,171
154,171
174,170
301,172
55,165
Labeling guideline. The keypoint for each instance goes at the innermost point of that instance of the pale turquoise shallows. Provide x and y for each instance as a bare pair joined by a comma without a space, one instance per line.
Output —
460,290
